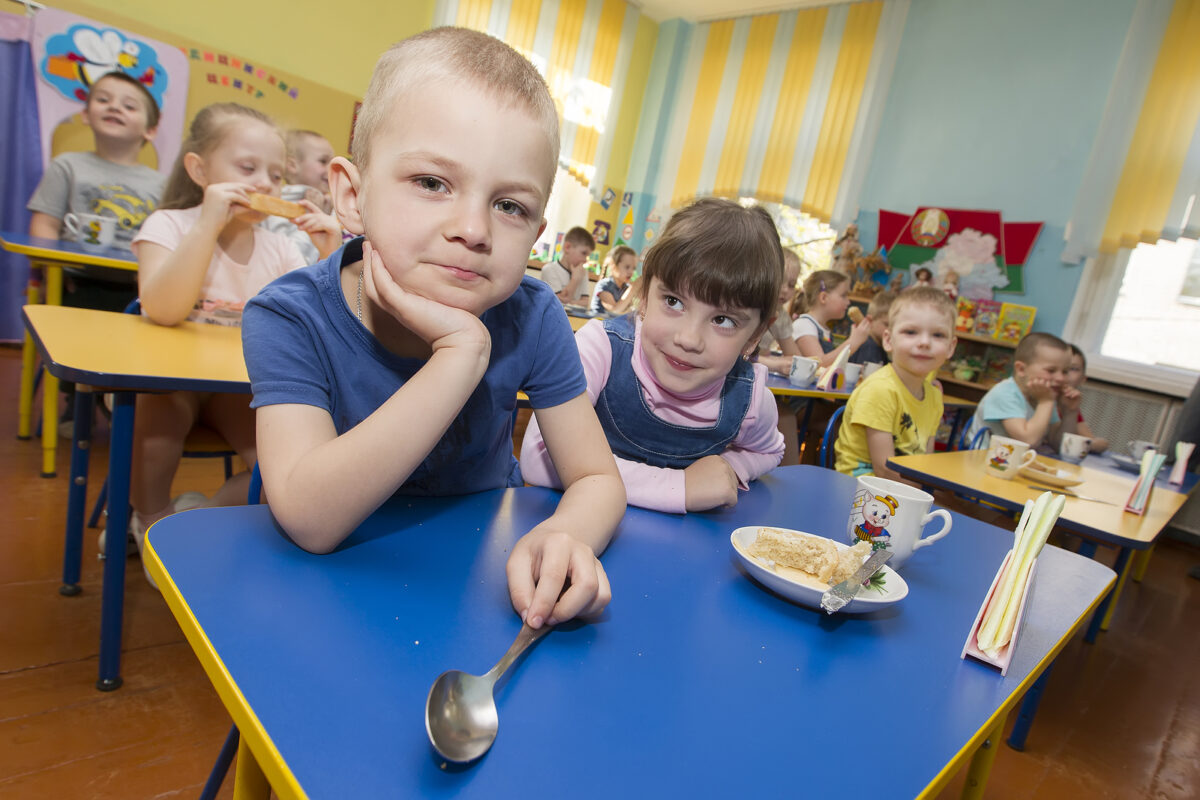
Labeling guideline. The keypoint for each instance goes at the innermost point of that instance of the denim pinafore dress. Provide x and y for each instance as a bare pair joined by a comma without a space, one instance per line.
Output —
634,433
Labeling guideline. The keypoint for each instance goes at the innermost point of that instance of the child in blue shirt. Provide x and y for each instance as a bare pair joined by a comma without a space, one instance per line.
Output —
1025,405
393,366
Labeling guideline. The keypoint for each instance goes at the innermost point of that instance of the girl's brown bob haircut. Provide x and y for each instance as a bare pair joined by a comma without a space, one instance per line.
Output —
721,253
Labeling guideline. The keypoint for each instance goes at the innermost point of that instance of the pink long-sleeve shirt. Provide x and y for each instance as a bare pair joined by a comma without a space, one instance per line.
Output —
757,448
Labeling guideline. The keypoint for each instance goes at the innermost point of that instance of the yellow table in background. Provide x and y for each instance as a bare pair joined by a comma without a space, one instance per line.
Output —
51,255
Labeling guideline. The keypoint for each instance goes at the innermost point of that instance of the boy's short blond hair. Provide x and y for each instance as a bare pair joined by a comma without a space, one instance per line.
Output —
456,55
579,237
880,304
923,295
296,140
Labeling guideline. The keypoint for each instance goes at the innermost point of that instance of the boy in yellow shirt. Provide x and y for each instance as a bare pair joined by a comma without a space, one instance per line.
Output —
897,409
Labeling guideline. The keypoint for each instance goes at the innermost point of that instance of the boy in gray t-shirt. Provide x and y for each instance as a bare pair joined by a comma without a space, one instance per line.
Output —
108,181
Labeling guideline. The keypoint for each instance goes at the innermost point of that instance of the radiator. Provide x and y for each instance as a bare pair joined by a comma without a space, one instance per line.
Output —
1121,415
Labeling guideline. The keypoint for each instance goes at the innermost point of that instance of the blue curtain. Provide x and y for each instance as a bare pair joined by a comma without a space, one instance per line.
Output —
20,171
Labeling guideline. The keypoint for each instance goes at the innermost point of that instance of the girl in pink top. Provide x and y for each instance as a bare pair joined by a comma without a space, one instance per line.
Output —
201,256
687,415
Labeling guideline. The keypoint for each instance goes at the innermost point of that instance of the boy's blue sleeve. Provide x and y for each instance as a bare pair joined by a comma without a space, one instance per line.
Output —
283,364
557,373
1003,401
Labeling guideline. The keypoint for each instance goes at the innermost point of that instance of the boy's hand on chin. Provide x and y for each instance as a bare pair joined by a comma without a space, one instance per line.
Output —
708,483
1041,389
440,325
554,577
1070,398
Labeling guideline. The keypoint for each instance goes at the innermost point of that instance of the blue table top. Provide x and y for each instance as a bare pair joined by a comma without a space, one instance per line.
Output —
696,680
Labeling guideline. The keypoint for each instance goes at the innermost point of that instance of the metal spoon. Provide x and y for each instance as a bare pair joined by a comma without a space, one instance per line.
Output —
460,714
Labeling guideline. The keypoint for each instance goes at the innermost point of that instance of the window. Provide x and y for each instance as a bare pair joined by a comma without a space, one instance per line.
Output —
1137,315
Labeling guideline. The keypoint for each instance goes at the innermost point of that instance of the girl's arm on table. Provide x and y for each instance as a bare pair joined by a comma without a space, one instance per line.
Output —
811,346
566,545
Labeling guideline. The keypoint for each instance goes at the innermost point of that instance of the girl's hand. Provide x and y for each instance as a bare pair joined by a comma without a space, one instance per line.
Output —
1070,399
859,334
222,201
322,228
709,483
438,325
554,577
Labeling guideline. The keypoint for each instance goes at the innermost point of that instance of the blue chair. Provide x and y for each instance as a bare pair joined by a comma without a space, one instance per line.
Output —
825,456
979,440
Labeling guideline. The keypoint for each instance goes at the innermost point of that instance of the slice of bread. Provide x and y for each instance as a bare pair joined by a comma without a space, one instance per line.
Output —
855,314
849,560
814,555
276,206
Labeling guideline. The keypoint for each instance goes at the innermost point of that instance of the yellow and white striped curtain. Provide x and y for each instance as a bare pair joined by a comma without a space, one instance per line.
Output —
782,107
582,48
1142,180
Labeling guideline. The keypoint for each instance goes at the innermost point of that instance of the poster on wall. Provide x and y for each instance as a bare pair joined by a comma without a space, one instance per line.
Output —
71,53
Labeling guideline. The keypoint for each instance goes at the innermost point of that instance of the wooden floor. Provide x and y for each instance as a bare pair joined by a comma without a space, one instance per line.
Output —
1120,719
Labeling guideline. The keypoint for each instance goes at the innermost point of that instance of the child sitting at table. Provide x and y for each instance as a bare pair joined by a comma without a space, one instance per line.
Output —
568,276
201,256
307,176
872,351
778,336
616,292
1025,405
897,409
823,301
107,182
393,366
1076,375
689,418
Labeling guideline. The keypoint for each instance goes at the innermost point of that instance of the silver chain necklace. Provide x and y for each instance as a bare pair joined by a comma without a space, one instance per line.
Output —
360,281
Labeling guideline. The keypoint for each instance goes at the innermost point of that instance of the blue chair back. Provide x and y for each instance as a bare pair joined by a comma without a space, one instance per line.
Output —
979,440
825,458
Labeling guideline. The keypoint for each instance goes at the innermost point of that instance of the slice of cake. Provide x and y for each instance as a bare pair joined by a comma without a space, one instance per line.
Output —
849,560
811,554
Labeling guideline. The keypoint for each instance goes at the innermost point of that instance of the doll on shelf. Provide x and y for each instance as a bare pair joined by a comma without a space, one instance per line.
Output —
950,284
923,277
846,252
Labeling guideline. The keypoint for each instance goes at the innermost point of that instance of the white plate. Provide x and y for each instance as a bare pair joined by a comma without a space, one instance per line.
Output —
1050,477
1128,463
799,588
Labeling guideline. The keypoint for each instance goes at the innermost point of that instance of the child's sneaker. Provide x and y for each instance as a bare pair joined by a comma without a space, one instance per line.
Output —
138,530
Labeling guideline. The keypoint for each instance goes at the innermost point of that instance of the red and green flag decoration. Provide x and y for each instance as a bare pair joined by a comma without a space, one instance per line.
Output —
972,239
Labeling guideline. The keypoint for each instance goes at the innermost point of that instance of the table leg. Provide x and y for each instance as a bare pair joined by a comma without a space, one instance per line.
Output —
981,762
1102,614
120,456
81,441
249,782
1029,707
1140,562
954,429
1087,548
221,767
1124,567
54,276
28,368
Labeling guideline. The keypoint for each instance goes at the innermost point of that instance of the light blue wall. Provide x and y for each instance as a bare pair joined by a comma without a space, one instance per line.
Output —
995,105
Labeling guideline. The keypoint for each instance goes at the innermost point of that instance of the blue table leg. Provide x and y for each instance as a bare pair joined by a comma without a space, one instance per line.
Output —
81,441
1087,548
954,429
120,457
1102,609
1029,707
219,770
802,434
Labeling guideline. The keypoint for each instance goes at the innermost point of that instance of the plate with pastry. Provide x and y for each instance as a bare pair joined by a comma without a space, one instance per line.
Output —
1045,472
802,566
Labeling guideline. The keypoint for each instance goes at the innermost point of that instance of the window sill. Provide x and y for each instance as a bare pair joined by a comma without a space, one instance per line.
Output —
1163,380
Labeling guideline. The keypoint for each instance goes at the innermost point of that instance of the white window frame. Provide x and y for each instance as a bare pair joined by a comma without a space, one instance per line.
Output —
1088,321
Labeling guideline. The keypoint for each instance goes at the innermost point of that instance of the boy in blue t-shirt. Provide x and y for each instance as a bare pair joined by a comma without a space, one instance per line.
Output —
393,366
1024,406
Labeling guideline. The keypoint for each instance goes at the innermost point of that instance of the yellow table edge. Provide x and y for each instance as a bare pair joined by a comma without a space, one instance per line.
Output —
253,734
50,254
969,749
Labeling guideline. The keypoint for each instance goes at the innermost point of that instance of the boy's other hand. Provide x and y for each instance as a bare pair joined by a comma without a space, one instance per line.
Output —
1041,389
859,334
323,229
554,577
708,483
439,325
1070,399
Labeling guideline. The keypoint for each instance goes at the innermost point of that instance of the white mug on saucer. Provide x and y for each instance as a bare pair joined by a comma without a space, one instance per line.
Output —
1074,447
1005,456
892,516
803,370
91,231
852,372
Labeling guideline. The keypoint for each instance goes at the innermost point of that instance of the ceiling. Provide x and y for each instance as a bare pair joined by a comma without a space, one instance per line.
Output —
706,10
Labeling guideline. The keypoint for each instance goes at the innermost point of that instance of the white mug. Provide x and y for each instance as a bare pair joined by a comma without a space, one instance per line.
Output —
1005,456
803,371
870,368
1074,447
852,372
892,516
91,231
